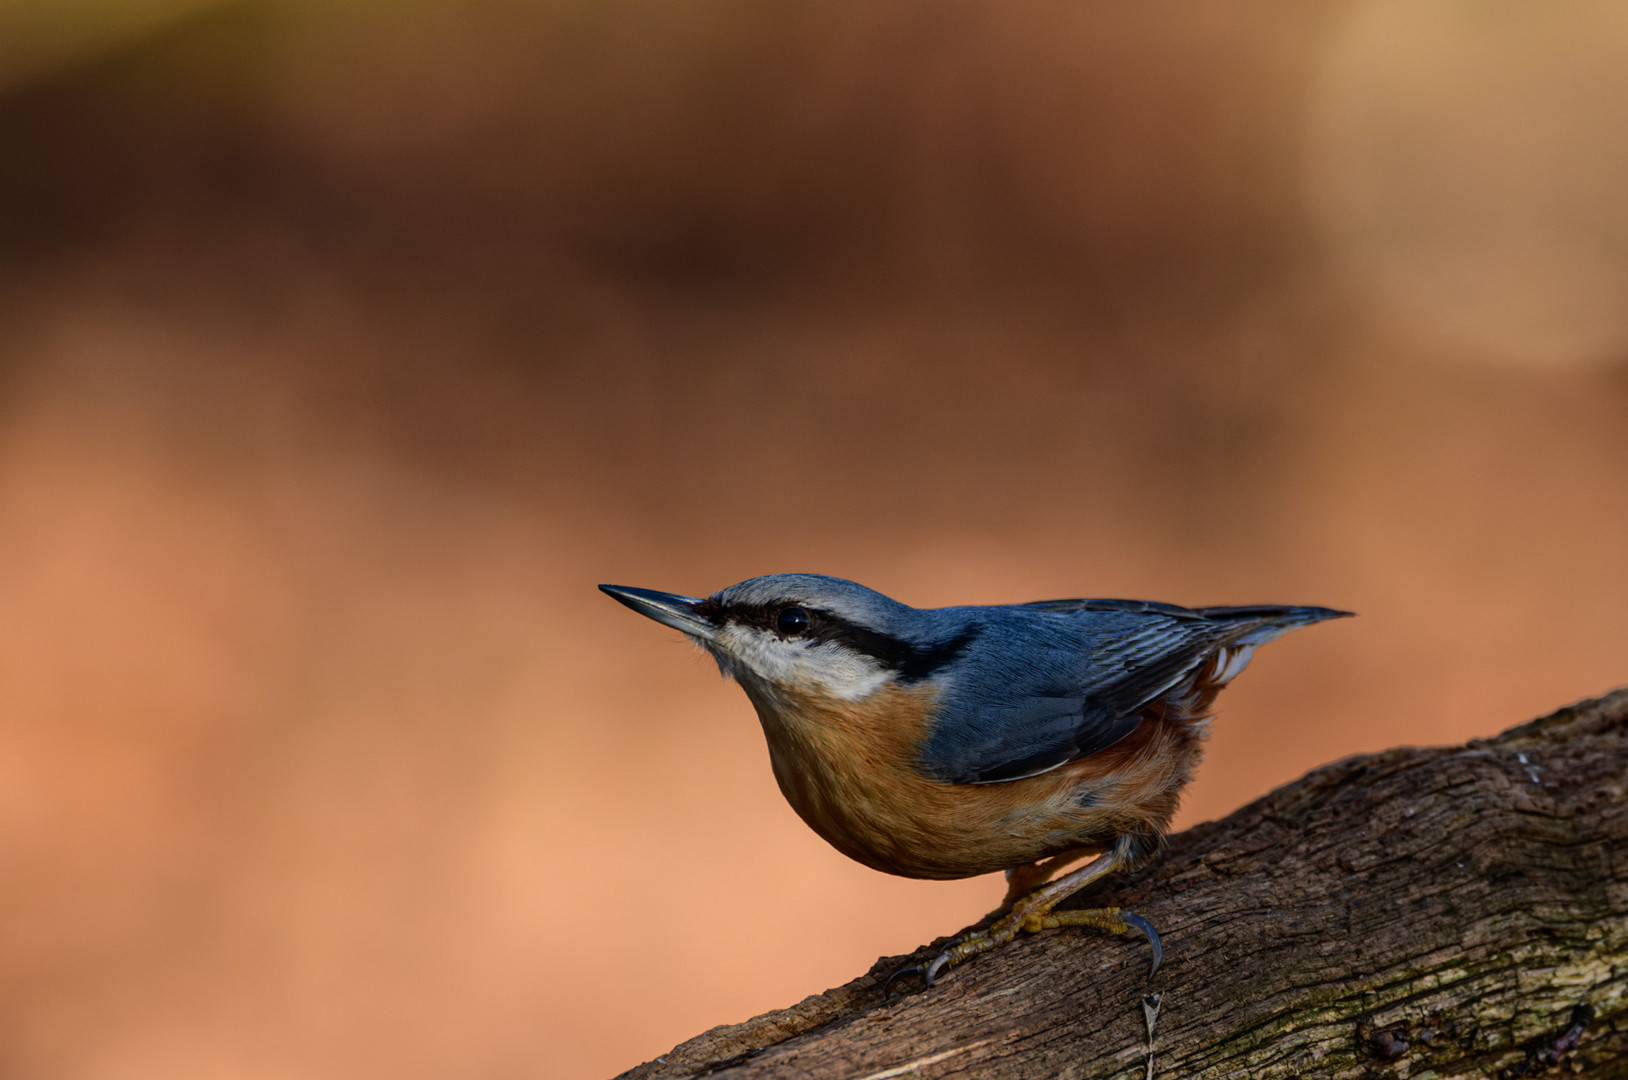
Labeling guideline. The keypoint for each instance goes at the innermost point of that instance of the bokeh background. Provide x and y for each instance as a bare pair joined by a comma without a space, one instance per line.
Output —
344,346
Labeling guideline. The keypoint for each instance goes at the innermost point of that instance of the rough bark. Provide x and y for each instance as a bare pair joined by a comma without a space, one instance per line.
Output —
1451,912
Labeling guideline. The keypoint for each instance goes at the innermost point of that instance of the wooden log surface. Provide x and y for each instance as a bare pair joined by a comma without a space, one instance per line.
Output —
1441,912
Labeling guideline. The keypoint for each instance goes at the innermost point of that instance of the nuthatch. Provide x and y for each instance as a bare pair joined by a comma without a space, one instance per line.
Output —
949,742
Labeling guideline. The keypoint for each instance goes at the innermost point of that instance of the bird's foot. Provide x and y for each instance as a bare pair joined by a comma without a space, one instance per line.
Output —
1032,913
1031,919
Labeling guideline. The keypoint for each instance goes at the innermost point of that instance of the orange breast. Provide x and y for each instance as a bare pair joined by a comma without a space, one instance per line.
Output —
848,769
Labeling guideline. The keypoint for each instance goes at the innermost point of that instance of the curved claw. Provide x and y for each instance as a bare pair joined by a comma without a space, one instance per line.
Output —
936,965
1136,922
913,969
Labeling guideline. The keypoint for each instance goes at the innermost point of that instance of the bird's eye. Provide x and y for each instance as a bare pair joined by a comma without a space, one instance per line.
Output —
791,622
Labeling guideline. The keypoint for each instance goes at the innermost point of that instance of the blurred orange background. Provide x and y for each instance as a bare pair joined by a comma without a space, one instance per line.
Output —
346,346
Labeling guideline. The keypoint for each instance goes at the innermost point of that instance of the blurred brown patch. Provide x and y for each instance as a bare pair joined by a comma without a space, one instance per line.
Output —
346,349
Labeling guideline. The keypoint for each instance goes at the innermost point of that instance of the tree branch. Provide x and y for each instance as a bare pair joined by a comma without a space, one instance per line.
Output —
1454,912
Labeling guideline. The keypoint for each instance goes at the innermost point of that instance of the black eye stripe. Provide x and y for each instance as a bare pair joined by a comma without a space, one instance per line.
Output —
910,662
767,616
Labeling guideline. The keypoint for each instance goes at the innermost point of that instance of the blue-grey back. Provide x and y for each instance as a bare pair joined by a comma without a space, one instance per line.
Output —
1047,683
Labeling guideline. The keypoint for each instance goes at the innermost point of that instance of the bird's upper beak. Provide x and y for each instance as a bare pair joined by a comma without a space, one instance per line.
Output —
669,609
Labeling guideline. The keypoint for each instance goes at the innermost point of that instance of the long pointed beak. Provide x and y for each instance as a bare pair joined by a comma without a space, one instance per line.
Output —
669,609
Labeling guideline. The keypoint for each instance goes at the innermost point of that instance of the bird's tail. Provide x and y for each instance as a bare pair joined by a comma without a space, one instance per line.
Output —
1254,625
1260,623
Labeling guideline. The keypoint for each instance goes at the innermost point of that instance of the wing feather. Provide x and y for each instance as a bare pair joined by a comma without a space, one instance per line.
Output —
1057,680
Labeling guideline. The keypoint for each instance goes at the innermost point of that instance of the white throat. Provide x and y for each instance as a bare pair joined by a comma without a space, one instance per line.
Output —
825,666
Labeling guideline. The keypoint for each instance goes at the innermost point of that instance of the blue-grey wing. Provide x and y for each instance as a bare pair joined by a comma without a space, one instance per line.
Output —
1054,681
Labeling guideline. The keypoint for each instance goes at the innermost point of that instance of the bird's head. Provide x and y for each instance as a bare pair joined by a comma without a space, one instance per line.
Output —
788,635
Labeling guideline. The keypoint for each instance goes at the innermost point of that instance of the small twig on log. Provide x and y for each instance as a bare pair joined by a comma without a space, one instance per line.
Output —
1450,912
1150,1014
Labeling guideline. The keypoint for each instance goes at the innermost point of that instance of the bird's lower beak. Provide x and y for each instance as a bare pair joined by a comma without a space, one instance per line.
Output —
669,609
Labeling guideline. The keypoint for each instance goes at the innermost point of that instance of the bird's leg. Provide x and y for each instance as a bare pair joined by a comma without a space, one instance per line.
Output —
1023,880
1032,913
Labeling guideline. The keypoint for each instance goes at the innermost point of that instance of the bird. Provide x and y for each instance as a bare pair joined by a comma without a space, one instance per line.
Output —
945,743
